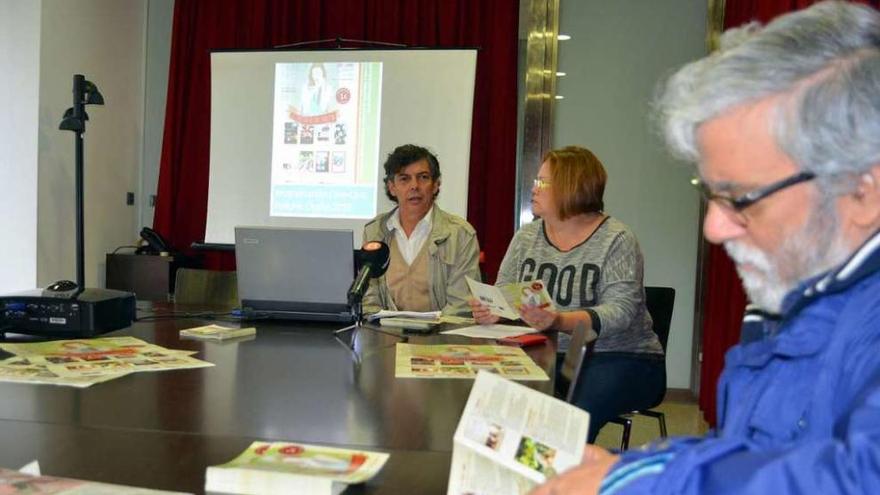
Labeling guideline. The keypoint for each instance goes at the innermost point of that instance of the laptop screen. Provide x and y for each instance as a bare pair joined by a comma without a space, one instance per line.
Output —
293,270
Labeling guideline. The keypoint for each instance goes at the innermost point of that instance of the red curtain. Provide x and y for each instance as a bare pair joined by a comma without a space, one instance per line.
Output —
724,297
201,26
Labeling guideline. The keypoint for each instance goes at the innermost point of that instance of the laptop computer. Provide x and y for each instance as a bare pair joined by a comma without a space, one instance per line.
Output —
295,274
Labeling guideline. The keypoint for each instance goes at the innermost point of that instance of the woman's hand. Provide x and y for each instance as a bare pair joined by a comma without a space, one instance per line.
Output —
481,312
538,317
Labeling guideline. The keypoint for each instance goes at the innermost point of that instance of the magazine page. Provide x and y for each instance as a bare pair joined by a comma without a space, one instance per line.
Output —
505,300
529,433
464,361
493,298
15,482
26,370
89,349
472,473
84,362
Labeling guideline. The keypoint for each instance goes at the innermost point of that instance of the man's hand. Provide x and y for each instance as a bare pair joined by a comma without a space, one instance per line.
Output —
481,312
538,317
584,479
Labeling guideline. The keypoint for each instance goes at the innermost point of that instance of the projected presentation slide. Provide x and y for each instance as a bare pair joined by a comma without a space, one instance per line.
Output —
299,137
325,139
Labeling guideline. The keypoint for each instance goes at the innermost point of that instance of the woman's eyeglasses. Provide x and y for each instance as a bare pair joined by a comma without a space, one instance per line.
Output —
541,183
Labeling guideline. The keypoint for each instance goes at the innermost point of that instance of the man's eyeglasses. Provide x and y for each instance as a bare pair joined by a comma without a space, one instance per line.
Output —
541,183
739,203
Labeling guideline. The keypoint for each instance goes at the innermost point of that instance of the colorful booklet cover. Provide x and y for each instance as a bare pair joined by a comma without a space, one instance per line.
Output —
283,467
511,438
505,300
217,332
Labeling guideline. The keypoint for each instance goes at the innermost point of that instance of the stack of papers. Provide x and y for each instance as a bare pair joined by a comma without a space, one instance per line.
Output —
415,319
217,332
427,315
281,467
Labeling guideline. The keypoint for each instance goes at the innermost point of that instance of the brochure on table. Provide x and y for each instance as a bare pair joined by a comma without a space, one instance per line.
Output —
464,361
84,362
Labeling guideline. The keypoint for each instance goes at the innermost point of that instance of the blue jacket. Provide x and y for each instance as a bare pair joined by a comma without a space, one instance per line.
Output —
799,401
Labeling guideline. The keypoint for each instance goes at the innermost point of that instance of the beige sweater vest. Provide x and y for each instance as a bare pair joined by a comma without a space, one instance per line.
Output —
408,284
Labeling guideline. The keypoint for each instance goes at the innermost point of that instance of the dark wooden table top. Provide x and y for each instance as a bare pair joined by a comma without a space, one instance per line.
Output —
293,382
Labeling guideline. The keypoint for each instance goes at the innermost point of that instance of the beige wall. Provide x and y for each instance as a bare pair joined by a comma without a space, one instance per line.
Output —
103,40
19,64
618,51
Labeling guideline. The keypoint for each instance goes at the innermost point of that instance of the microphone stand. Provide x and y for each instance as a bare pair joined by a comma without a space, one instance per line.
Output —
356,296
355,302
357,314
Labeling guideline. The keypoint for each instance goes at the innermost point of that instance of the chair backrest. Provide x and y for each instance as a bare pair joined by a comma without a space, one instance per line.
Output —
212,287
660,302
581,341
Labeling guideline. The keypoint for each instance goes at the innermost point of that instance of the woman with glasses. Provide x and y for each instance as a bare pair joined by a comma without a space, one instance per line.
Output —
592,267
432,251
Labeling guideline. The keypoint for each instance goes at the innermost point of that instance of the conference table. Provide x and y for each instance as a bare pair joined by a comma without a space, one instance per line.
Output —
294,381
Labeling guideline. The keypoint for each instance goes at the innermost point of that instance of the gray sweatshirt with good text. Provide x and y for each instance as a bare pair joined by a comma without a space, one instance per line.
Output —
603,275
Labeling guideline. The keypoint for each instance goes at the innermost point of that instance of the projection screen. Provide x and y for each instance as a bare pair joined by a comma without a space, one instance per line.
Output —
298,138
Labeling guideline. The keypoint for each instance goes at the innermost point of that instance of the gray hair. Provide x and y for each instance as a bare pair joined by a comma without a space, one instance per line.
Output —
824,60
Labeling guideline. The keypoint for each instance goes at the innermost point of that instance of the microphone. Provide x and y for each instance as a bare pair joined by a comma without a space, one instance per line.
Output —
373,257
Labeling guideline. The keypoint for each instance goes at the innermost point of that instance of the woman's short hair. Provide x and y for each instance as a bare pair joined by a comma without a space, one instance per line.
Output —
578,181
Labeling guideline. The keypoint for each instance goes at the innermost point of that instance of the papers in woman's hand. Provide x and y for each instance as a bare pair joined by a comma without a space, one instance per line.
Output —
505,300
490,331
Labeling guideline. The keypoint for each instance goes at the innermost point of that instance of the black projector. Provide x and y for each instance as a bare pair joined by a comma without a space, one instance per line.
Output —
69,314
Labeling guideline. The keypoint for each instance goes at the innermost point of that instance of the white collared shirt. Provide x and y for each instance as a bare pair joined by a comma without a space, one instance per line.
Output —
409,247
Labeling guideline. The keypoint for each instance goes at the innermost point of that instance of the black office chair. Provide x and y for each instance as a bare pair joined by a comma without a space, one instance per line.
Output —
660,302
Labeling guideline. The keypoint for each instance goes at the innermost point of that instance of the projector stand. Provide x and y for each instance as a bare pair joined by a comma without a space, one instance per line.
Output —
67,309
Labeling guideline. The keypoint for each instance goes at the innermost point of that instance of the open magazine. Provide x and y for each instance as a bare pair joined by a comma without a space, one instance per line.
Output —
281,467
505,300
511,438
